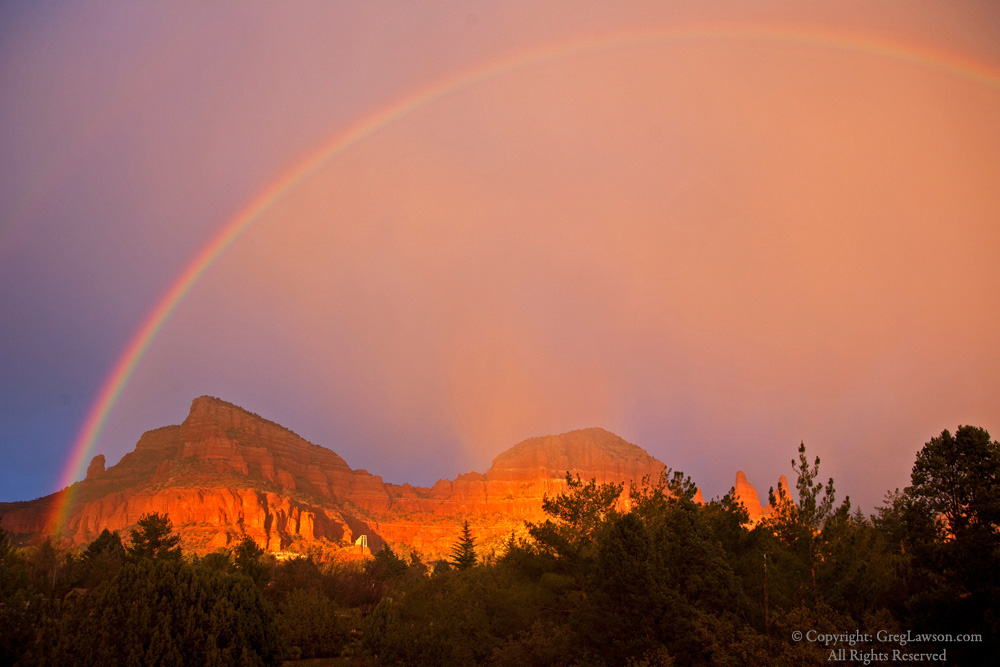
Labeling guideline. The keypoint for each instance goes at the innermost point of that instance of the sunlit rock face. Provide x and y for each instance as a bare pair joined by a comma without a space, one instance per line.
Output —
498,502
745,494
225,473
221,474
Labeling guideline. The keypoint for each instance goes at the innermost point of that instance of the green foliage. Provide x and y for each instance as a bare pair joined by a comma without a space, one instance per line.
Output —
44,566
386,564
153,538
949,518
23,607
441,568
544,644
959,477
801,545
311,622
350,585
6,551
294,574
220,560
463,554
107,543
101,560
663,589
578,516
248,559
416,564
460,618
624,600
162,612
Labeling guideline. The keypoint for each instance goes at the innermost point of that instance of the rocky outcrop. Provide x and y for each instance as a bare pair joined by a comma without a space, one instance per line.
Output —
783,487
745,494
233,440
96,467
225,473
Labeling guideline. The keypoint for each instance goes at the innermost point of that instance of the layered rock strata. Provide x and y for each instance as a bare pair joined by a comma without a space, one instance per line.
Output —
225,473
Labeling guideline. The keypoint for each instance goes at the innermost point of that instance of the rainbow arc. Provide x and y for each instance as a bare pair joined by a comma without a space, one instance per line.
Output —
873,45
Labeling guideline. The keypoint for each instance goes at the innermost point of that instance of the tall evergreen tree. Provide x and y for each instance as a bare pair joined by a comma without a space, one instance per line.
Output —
463,554
958,477
154,538
956,492
102,559
248,559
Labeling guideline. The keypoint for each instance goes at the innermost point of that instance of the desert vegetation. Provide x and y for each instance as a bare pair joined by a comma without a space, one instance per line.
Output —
659,579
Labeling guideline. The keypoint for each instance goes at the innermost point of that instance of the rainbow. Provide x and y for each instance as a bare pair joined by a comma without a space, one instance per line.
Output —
870,44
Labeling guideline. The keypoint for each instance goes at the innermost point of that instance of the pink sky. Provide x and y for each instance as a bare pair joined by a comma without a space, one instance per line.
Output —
715,241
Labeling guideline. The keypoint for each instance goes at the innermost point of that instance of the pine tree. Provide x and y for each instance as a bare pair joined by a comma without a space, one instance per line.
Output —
154,538
463,554
248,559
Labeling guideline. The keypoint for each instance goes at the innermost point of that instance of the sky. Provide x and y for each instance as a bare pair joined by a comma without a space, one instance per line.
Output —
418,233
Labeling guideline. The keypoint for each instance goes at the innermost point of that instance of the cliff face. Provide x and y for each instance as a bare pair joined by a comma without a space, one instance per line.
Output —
498,502
225,472
221,474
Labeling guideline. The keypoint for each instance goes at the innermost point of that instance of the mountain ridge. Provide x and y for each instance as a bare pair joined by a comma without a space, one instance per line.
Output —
226,472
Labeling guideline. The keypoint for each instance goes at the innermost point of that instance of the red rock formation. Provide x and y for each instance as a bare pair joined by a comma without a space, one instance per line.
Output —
221,474
783,487
746,495
225,472
498,502
96,467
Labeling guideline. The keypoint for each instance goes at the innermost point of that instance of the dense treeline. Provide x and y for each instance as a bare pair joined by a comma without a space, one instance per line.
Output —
146,603
615,576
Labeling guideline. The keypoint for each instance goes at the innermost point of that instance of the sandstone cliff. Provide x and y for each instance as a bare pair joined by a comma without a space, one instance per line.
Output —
225,472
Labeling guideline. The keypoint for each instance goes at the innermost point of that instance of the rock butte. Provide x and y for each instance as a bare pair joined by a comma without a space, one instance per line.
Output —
226,472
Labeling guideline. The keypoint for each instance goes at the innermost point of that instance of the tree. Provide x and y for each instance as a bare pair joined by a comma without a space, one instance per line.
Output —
220,560
578,515
624,598
44,565
102,559
798,528
463,554
815,499
308,620
248,559
164,612
952,524
5,549
23,607
386,564
107,542
959,477
154,538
